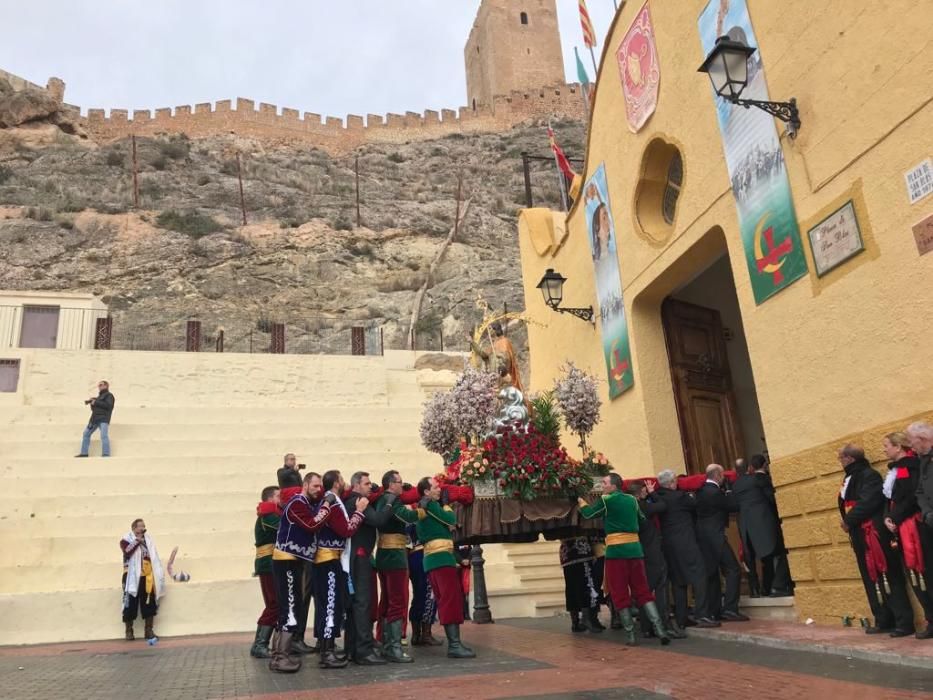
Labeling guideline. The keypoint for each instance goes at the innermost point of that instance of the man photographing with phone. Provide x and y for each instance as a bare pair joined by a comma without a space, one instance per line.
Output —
101,410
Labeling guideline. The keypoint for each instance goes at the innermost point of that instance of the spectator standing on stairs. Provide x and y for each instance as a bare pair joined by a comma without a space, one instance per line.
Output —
101,411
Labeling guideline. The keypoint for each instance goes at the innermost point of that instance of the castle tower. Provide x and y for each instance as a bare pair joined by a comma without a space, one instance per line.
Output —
514,45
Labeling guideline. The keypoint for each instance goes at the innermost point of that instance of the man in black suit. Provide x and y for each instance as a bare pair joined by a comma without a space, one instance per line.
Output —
649,534
862,506
679,544
760,528
713,507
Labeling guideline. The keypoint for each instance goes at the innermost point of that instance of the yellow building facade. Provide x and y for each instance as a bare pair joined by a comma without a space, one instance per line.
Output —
844,355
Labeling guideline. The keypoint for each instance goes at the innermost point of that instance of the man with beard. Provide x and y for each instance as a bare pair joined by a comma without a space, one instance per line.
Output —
332,568
302,517
681,551
714,505
862,507
649,534
760,528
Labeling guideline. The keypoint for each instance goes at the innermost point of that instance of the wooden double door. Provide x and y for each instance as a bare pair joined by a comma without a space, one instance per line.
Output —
706,404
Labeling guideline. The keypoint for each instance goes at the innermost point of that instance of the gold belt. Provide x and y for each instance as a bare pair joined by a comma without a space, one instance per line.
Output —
438,546
325,554
621,538
393,541
279,555
599,549
264,550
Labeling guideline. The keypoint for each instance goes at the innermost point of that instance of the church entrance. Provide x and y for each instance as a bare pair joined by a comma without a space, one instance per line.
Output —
713,383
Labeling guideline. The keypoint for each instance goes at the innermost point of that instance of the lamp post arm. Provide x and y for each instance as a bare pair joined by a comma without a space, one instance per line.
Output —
785,111
585,314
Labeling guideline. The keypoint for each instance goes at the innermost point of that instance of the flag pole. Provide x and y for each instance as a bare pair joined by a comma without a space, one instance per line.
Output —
595,68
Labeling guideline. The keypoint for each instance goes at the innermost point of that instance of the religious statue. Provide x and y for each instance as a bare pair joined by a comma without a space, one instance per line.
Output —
500,357
512,409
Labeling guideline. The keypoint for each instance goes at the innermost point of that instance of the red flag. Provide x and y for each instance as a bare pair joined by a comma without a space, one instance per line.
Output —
589,35
562,161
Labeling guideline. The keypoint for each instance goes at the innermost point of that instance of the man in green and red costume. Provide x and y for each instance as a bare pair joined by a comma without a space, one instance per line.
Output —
434,532
625,566
392,565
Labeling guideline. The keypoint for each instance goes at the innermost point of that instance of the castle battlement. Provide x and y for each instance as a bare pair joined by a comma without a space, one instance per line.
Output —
335,134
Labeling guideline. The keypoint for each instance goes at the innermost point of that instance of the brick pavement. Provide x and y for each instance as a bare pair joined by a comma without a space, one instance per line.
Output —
526,658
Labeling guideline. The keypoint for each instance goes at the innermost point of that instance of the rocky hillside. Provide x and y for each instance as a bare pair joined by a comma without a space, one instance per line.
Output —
68,222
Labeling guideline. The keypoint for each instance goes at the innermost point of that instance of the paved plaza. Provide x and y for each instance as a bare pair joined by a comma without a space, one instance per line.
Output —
516,659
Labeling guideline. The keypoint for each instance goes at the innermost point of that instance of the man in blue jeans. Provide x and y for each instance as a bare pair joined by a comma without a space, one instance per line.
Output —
101,410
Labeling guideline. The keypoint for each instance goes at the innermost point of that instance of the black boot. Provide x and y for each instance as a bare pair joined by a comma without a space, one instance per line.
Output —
591,622
428,638
596,612
392,643
615,621
150,633
466,608
675,631
575,625
328,658
654,617
260,648
455,648
130,635
299,647
416,631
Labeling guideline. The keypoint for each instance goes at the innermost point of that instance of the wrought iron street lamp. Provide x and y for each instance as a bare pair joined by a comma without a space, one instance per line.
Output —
727,68
552,288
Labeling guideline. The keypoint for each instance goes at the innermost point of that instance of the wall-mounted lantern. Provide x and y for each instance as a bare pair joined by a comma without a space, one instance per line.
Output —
552,288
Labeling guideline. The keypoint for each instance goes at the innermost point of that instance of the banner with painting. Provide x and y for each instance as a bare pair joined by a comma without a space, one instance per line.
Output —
639,69
611,308
768,222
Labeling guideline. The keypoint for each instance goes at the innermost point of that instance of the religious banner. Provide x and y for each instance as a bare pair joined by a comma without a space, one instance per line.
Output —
768,223
611,309
640,71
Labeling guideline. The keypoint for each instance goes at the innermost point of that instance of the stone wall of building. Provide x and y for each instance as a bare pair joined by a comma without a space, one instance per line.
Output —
334,134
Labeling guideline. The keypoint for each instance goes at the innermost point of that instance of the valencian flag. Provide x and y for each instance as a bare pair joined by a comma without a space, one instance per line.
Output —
559,156
582,75
589,35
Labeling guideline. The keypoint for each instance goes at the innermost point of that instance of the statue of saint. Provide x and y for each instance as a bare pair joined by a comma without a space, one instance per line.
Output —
500,357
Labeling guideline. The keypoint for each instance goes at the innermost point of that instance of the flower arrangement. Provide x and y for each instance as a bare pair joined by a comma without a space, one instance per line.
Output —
545,415
473,403
596,464
525,465
438,433
577,396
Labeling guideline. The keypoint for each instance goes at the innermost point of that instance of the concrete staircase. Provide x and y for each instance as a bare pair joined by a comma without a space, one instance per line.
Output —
195,438
524,580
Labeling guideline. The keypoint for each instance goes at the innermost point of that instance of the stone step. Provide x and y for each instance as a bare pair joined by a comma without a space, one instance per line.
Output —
543,547
238,523
130,506
538,589
63,550
324,412
781,609
523,561
54,578
188,608
155,432
412,465
550,605
556,575
203,448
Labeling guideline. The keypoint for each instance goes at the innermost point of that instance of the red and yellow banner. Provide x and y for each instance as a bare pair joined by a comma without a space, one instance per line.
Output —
589,35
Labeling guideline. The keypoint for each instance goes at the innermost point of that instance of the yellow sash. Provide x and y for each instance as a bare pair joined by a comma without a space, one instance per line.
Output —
621,538
393,541
150,580
279,555
437,546
264,550
325,554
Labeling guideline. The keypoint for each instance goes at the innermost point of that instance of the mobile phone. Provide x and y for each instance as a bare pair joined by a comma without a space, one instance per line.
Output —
302,466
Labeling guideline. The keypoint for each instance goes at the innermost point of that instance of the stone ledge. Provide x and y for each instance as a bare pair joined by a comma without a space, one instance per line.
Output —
894,657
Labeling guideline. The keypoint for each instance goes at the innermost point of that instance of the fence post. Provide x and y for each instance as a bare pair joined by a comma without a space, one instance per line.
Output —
103,333
193,337
135,175
357,340
220,341
382,341
526,168
278,339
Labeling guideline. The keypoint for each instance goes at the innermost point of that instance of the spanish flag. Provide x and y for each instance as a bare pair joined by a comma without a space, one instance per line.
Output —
589,35
559,156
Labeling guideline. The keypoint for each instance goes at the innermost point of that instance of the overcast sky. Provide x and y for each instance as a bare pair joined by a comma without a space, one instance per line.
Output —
332,57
